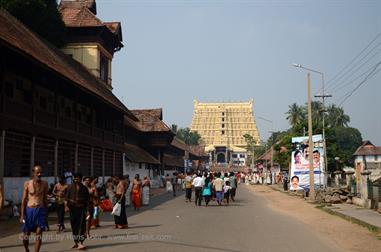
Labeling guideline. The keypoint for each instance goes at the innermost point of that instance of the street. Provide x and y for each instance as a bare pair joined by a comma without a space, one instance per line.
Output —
171,224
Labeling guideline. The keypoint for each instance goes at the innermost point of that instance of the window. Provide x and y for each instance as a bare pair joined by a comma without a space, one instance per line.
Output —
234,155
223,132
223,119
223,125
223,113
103,68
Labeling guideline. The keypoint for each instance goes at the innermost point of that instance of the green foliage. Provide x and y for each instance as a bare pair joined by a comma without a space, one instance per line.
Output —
342,142
41,16
185,134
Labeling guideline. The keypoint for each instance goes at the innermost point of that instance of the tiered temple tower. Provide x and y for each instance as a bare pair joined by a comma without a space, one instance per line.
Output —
222,126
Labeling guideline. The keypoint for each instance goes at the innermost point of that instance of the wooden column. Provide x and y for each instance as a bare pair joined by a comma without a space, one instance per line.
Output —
32,145
2,156
113,164
76,158
92,162
103,165
56,161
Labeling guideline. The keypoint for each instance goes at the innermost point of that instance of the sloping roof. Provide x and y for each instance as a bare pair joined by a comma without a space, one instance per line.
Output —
138,155
150,120
178,143
174,161
368,149
198,150
79,17
265,156
15,35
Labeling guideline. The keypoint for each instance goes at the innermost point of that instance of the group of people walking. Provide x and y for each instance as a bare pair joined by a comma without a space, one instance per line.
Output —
210,187
82,199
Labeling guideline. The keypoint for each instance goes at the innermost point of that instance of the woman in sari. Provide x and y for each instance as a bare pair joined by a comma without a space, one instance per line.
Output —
146,187
136,192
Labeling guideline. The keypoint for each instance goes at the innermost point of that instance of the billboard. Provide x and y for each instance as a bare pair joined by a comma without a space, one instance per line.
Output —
300,172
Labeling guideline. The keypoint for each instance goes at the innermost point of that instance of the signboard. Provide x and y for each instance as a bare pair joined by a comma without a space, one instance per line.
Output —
300,171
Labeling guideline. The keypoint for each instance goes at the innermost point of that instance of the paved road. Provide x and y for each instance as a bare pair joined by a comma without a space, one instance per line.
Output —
170,224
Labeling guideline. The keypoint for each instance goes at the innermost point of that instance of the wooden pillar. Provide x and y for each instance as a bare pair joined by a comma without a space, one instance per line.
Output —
92,162
113,164
32,146
103,165
2,156
56,161
76,158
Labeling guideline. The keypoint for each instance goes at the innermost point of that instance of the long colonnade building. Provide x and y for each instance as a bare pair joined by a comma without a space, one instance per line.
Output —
222,126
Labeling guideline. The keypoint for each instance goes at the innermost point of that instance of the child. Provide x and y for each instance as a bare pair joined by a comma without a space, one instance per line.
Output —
227,189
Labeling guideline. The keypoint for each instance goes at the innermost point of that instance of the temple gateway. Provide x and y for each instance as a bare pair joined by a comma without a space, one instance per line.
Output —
222,126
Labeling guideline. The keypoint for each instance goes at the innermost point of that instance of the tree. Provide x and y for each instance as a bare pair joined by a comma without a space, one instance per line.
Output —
296,115
185,134
41,16
337,117
342,142
250,145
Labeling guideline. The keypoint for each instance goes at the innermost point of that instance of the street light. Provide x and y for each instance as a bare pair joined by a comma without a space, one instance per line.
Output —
323,96
310,147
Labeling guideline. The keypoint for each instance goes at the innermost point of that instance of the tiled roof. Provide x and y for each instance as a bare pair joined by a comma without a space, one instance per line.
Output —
79,17
138,155
178,143
173,161
368,149
150,120
15,35
113,26
198,150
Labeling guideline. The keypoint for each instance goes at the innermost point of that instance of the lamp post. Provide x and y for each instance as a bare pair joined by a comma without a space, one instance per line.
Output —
323,96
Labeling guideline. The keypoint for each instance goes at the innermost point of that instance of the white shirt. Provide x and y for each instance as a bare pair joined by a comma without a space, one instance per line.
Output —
198,182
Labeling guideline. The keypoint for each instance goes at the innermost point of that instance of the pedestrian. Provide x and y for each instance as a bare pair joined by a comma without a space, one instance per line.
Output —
136,192
168,184
233,184
68,175
174,183
227,189
121,220
198,183
77,203
34,208
129,189
110,190
207,191
146,188
285,181
59,191
95,198
87,182
218,184
188,187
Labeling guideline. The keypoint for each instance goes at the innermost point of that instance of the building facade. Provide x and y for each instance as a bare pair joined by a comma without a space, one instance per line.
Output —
222,127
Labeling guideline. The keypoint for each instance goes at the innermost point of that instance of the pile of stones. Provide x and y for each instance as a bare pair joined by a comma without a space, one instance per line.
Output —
331,195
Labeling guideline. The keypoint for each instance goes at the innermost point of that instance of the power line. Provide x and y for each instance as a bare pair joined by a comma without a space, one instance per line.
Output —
342,83
370,75
358,68
358,55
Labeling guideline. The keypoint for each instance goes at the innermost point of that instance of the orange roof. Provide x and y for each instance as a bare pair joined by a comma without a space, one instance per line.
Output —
14,34
79,17
150,120
368,149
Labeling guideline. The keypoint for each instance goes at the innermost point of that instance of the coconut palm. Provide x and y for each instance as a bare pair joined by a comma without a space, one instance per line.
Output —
296,115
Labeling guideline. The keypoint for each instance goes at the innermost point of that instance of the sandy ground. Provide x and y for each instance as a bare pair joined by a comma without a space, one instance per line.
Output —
347,236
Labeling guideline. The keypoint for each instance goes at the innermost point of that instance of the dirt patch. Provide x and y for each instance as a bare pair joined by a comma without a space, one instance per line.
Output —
345,235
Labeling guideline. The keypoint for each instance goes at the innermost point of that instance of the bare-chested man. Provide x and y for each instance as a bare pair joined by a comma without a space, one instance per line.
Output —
34,208
60,191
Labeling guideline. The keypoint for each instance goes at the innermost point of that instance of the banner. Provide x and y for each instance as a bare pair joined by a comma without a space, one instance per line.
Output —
300,171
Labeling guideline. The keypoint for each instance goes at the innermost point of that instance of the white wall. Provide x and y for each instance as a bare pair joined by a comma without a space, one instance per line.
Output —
13,187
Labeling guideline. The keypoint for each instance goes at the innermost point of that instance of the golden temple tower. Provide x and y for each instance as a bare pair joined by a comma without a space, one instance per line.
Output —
222,126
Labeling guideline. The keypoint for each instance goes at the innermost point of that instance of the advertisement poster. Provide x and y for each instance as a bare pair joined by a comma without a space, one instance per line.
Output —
300,172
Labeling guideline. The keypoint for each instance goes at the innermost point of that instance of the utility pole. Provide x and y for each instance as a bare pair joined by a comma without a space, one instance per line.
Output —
310,143
323,96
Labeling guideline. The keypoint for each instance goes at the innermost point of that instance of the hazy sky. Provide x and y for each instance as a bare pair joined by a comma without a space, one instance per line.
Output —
178,51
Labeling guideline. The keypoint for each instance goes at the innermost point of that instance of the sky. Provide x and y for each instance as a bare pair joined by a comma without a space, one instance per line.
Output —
214,51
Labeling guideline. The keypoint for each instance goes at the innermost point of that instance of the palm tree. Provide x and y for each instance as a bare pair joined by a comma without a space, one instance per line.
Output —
337,117
295,115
